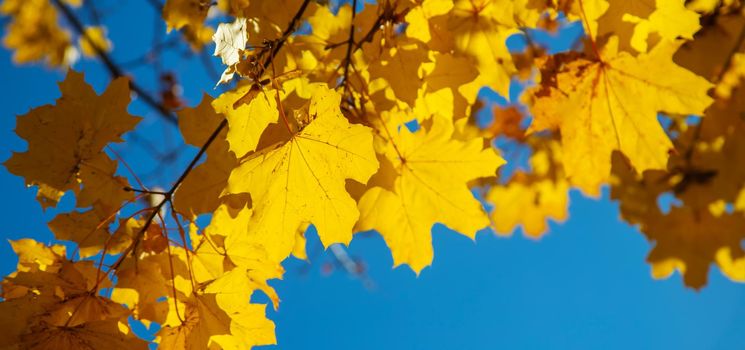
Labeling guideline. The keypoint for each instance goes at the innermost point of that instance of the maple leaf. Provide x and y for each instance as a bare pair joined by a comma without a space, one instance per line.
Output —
688,238
530,198
699,230
251,265
302,180
450,87
101,187
92,335
611,103
717,39
232,324
141,284
418,18
637,22
422,181
479,29
58,304
400,68
35,256
181,13
329,28
34,33
230,41
246,122
66,138
87,229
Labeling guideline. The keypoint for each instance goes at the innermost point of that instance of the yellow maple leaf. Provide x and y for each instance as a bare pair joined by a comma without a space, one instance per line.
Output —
108,334
418,18
611,102
101,187
207,323
246,121
480,29
692,235
87,229
58,306
399,67
530,198
251,266
65,138
450,87
707,54
690,240
474,29
302,180
637,23
181,13
34,33
141,283
423,180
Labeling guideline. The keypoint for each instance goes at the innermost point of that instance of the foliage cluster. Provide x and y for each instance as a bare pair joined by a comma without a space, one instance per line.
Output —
363,117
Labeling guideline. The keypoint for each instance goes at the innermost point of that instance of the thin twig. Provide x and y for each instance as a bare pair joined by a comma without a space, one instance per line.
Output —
291,27
350,41
114,70
167,196
132,248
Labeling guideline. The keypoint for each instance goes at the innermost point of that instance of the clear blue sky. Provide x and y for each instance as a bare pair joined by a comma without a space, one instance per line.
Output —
584,286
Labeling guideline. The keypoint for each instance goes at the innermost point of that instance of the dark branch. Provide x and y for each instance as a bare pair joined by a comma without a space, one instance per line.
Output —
113,69
291,27
350,41
132,248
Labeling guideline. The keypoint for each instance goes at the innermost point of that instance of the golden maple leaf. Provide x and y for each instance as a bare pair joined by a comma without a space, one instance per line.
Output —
181,13
302,179
611,102
422,181
208,323
530,198
65,139
53,303
639,23
688,238
34,33
246,121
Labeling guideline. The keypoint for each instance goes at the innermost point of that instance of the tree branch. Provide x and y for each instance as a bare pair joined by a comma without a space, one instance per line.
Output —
350,41
132,248
286,34
114,70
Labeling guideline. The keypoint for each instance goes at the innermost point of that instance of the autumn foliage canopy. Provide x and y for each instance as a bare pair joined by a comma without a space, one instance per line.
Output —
360,117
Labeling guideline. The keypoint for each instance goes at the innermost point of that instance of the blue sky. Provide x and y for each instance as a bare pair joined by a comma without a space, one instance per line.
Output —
583,286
